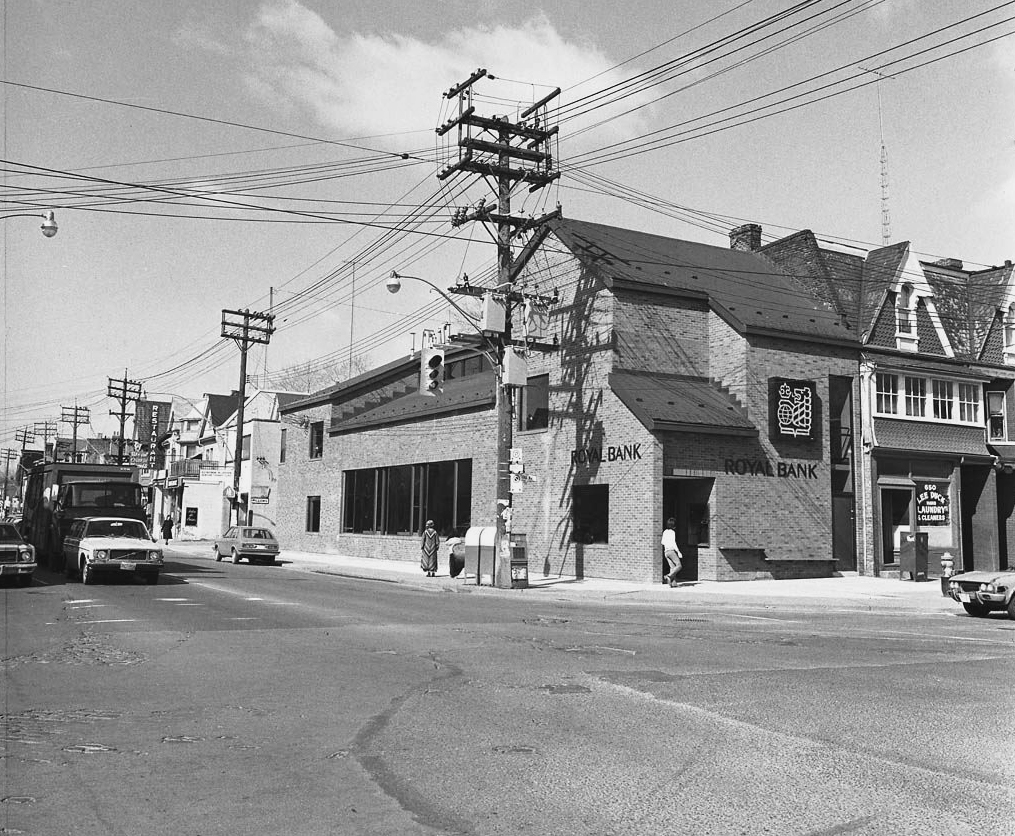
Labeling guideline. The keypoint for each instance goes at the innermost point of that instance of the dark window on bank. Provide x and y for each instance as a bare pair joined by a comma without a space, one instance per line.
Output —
245,448
590,514
317,439
281,448
534,406
313,513
400,499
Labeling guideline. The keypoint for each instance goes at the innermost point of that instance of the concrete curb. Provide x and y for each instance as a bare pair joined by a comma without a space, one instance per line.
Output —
886,594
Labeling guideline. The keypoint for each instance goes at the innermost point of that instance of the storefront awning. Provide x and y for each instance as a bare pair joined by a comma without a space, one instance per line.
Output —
680,404
926,437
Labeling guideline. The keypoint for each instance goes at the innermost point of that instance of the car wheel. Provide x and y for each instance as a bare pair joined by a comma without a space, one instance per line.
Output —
218,554
87,574
975,608
1011,608
24,580
152,578
235,556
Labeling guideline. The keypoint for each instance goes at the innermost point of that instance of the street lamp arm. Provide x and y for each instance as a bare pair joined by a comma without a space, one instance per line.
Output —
49,227
393,285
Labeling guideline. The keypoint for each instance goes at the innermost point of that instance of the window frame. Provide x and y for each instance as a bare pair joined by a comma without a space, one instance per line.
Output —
965,398
535,392
312,520
1001,414
598,514
316,434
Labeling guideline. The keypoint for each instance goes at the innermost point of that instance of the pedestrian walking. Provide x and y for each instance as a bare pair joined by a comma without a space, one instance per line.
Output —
167,529
431,540
671,553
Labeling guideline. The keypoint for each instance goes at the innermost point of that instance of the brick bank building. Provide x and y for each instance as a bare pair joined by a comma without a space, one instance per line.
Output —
799,411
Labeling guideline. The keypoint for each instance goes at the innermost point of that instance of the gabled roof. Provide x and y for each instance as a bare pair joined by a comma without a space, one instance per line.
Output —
221,407
676,402
748,290
880,270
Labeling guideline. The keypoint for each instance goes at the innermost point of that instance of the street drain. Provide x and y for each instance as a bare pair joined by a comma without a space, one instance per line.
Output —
17,799
182,738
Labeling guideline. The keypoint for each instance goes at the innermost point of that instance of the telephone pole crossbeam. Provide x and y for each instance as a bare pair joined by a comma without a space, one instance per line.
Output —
497,156
75,416
122,390
245,328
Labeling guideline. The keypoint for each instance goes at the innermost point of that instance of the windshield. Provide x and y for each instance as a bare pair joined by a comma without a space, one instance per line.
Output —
106,495
9,534
117,528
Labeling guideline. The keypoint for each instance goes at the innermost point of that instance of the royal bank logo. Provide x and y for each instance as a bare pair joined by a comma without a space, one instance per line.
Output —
794,408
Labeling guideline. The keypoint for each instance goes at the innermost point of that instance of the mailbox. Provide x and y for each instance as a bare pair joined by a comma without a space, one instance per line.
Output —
479,553
519,562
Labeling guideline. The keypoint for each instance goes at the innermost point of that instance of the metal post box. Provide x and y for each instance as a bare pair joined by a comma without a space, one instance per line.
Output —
913,555
519,562
479,553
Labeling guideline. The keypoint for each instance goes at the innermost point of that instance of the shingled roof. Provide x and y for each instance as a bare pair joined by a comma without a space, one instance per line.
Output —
747,289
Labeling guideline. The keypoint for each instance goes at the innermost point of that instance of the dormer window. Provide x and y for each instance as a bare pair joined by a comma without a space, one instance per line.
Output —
1009,335
905,319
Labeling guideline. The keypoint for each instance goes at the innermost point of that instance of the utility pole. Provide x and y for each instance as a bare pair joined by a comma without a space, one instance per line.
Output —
245,328
123,390
46,429
24,435
508,154
9,454
74,415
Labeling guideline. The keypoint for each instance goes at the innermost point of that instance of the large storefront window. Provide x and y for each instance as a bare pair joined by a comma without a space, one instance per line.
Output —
400,499
590,514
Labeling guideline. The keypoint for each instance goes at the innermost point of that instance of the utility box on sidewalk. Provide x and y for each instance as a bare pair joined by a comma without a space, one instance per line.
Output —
479,553
519,562
913,554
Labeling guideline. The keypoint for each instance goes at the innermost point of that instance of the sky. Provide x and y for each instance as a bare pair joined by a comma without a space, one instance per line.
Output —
210,155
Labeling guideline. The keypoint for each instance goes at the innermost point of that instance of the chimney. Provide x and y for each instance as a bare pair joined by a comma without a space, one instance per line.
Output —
746,237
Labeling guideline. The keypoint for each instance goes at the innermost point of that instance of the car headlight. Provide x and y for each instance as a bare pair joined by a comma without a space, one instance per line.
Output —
101,554
155,555
987,587
26,554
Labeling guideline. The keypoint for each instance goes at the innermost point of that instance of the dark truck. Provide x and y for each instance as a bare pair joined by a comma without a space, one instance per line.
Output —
57,493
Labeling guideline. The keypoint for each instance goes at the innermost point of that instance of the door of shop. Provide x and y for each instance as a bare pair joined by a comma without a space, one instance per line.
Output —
687,501
896,522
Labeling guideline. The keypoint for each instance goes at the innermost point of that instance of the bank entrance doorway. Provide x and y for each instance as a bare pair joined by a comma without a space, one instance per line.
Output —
688,501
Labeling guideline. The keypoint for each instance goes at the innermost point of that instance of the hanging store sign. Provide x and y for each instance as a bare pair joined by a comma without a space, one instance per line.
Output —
932,503
792,409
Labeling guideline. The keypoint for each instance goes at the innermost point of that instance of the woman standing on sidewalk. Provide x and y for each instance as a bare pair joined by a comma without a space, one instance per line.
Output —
428,560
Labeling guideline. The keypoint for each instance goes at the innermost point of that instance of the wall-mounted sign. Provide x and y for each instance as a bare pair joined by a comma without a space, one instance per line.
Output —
190,517
763,467
597,455
792,409
932,503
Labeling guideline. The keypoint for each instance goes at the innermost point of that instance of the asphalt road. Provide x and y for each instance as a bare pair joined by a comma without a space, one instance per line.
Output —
238,699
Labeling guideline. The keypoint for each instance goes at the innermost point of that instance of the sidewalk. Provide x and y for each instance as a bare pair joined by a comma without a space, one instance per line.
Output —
876,593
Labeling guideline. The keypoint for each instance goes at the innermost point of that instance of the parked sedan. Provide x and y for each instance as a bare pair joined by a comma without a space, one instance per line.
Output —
984,592
17,558
111,545
258,545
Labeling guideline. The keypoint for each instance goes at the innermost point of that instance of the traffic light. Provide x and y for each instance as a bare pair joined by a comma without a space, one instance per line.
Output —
432,371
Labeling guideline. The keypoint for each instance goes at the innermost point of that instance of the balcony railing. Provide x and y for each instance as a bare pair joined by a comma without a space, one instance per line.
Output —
189,467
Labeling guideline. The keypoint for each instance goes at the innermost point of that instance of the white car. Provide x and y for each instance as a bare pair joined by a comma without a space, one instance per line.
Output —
108,545
984,592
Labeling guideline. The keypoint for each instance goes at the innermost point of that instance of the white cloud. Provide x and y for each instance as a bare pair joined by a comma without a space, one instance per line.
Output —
368,84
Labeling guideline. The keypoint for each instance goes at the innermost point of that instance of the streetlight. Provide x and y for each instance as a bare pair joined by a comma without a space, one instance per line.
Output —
49,227
502,406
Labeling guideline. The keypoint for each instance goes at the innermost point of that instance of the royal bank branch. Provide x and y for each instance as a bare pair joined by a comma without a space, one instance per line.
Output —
798,410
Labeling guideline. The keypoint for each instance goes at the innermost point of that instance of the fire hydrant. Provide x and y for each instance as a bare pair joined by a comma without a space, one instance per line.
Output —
947,570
